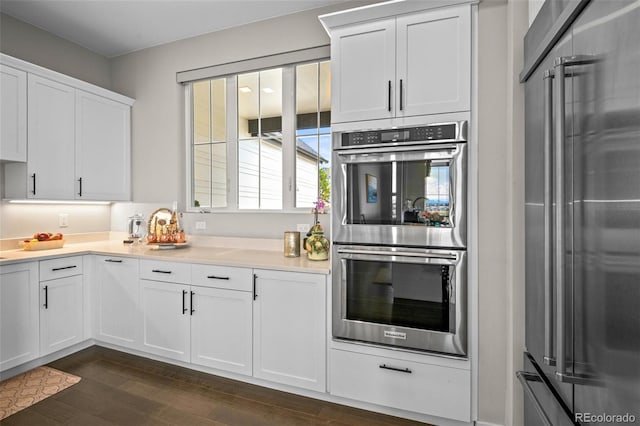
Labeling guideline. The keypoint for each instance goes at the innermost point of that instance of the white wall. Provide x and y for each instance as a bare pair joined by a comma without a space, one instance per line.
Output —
502,25
34,45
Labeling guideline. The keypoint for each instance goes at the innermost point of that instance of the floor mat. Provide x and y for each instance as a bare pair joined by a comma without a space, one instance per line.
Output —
24,390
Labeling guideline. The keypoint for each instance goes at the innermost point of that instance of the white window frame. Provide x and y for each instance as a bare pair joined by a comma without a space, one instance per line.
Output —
288,134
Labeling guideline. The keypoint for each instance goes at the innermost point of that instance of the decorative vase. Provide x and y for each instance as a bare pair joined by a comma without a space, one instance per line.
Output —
317,245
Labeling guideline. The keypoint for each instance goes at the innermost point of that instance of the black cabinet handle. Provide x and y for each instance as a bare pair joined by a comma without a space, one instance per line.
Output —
255,295
63,268
80,192
33,176
46,297
400,94
191,302
389,97
184,302
160,271
214,277
113,260
401,370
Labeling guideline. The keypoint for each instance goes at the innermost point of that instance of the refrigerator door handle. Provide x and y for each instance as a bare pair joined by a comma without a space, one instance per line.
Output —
524,378
548,356
560,66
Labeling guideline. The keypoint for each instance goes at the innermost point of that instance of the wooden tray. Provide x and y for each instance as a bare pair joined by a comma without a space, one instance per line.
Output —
41,245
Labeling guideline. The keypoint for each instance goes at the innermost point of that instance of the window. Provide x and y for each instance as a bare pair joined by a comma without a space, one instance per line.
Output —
262,139
313,134
209,145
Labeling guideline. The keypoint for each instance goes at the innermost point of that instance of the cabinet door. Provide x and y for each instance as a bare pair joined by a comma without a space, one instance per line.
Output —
289,341
165,319
116,301
19,314
363,71
221,329
434,61
103,153
61,313
13,114
51,146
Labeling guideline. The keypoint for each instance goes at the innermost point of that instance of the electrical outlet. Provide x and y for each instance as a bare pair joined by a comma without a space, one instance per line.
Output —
201,224
63,220
303,227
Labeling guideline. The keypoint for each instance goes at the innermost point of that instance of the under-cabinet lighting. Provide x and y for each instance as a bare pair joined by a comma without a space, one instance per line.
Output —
245,89
95,203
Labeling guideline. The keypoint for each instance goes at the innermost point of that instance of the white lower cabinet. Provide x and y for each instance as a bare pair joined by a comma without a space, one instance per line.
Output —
407,385
221,329
289,325
19,314
116,301
208,324
165,319
61,304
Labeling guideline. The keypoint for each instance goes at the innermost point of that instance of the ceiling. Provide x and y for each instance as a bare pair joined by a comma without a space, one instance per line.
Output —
116,27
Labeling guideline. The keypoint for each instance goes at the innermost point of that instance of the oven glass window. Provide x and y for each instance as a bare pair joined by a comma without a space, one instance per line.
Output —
398,294
414,193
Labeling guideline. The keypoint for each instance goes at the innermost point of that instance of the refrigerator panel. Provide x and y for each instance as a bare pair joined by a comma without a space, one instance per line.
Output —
606,208
538,310
541,407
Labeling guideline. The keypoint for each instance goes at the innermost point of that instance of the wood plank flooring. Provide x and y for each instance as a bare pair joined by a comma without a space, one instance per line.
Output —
122,389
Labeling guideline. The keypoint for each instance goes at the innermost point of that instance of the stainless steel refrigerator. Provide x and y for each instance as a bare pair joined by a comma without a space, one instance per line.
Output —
582,136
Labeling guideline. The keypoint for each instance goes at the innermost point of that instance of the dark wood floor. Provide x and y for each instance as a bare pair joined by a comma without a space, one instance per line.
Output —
122,389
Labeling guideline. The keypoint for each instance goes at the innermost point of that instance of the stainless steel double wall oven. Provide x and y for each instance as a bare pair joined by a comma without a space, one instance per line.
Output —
400,237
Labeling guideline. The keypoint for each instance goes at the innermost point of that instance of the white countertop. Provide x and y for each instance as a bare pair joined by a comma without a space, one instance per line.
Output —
224,256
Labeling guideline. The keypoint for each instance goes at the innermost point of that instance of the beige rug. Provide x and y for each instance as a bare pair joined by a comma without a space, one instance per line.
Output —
24,390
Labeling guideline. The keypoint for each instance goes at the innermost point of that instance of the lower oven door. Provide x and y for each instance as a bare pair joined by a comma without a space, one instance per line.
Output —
401,297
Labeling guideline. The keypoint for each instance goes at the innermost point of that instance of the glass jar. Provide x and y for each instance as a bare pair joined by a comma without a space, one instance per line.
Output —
317,245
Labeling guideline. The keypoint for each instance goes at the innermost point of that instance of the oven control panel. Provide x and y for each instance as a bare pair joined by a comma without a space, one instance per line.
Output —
431,133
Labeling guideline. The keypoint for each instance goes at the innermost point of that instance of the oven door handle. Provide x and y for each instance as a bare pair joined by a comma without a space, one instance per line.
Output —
443,256
446,148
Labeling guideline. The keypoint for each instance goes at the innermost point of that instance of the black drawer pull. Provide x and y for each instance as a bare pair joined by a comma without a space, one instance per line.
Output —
401,370
184,307
191,302
63,268
214,277
160,271
33,176
113,260
46,297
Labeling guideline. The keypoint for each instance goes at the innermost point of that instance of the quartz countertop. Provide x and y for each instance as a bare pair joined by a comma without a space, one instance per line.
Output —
224,256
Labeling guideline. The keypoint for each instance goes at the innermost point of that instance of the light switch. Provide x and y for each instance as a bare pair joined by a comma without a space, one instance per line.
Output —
63,220
201,224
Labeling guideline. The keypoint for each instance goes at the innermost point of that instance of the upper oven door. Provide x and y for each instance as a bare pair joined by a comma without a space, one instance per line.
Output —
401,195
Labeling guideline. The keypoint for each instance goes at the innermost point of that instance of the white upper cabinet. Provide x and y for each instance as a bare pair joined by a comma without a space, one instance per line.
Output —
413,64
13,114
77,139
103,160
51,147
434,61
363,71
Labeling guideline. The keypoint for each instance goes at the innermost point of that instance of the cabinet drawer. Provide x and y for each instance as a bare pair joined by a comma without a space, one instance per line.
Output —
222,277
422,388
60,268
172,272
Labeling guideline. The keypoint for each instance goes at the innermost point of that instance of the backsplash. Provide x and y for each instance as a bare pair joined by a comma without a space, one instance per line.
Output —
22,220
246,225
